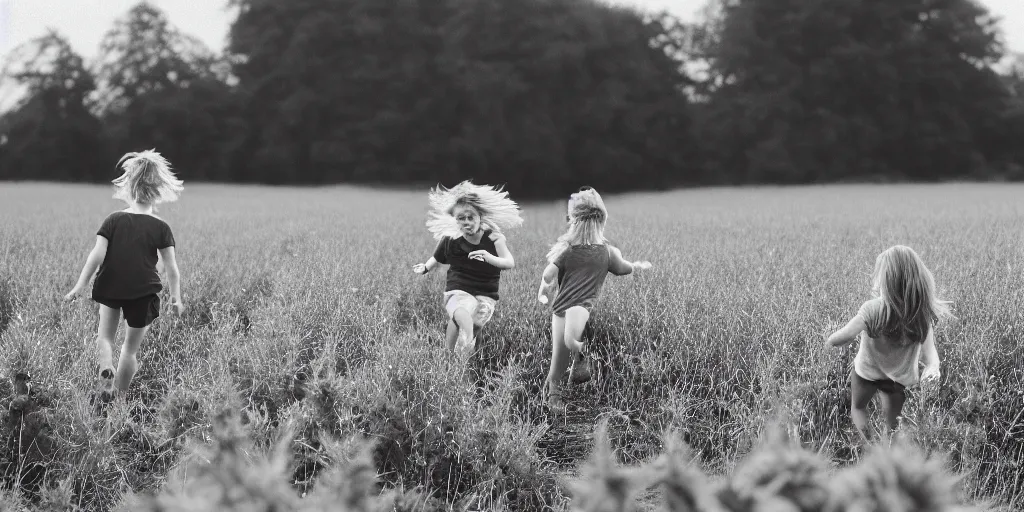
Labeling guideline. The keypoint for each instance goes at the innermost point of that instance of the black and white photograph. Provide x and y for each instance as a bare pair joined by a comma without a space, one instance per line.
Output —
511,255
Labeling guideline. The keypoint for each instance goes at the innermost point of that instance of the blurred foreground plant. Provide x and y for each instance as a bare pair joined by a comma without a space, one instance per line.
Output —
227,477
779,476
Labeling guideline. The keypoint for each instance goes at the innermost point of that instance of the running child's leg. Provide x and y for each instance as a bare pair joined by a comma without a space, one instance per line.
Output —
464,320
862,390
128,363
451,334
109,318
482,314
560,357
576,319
892,404
460,307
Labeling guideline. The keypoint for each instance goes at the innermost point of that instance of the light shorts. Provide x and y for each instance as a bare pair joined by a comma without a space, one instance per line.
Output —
587,304
481,307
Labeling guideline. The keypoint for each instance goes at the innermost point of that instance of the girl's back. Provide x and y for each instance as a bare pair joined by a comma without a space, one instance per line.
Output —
129,269
881,357
581,274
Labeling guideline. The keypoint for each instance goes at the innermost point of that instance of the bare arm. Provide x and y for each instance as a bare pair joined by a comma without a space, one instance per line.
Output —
547,283
620,267
173,276
92,262
423,268
847,333
930,357
504,261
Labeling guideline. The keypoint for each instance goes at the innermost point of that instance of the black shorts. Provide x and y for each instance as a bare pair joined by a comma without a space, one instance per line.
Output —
138,313
887,386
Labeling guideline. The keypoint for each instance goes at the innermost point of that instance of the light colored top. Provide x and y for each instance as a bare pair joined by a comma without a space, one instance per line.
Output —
880,358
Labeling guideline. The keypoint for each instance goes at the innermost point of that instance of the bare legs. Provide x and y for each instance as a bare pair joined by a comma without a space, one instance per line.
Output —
560,359
107,330
128,363
462,320
566,333
862,390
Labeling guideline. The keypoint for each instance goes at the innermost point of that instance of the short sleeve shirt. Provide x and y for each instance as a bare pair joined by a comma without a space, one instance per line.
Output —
881,358
129,269
582,270
471,276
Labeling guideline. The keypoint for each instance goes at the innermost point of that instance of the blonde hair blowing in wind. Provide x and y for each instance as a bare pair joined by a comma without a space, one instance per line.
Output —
587,218
497,211
147,179
907,288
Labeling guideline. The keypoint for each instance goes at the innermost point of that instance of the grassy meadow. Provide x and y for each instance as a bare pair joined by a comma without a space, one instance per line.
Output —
711,365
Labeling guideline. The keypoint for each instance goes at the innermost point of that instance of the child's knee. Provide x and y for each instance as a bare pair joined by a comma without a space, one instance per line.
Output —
463,318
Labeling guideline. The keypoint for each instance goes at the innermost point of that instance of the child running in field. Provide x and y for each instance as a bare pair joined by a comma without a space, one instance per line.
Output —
468,221
897,333
129,245
578,264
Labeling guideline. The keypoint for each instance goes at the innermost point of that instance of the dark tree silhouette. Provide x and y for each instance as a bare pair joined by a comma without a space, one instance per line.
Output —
541,95
832,90
51,133
163,89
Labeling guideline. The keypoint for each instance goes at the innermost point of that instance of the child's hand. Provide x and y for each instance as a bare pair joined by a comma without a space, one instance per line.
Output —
830,328
72,294
419,268
930,374
642,265
542,297
480,255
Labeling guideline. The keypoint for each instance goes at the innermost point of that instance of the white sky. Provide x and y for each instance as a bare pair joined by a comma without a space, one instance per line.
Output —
84,22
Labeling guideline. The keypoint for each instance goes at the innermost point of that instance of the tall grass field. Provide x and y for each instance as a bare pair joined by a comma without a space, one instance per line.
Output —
713,388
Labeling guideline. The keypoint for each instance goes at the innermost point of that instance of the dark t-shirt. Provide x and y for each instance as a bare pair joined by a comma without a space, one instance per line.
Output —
581,273
129,269
471,276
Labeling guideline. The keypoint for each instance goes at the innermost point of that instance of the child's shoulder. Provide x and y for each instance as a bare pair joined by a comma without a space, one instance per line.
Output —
113,216
871,308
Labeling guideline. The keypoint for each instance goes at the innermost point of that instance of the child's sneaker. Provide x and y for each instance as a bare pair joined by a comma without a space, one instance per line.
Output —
580,369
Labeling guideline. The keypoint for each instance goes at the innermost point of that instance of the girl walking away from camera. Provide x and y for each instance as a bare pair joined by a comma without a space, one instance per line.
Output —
897,333
129,245
578,264
468,220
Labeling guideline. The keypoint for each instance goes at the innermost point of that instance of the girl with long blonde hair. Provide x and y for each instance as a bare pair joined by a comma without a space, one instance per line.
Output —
467,220
129,244
897,335
578,263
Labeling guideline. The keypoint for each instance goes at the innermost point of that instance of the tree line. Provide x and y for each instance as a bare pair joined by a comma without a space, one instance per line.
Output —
541,95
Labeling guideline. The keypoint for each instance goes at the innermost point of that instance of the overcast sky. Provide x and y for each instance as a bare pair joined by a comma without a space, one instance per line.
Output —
84,22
